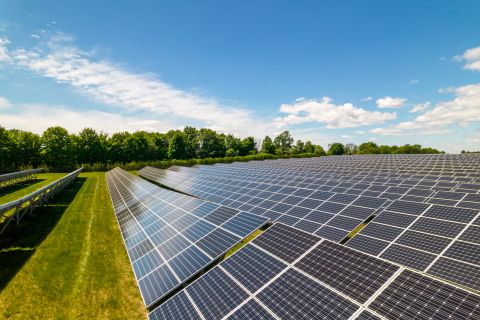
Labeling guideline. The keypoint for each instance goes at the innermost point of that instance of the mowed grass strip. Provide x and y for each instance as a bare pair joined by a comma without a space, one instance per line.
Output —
68,261
24,188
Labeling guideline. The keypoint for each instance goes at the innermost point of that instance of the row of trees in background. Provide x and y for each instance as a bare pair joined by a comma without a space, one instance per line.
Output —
57,148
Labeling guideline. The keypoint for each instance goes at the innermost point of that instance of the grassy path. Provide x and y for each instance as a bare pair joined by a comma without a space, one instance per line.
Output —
68,261
22,189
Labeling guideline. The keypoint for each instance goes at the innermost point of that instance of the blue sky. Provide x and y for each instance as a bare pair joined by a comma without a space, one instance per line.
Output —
393,72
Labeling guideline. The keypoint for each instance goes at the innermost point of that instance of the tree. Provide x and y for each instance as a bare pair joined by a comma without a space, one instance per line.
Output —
176,147
211,145
58,148
191,142
299,147
319,151
160,146
268,146
233,145
368,148
91,146
248,146
118,147
25,148
350,148
139,146
283,142
309,147
383,149
336,149
6,144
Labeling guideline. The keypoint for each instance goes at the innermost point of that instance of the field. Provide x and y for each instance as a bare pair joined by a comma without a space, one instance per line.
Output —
68,260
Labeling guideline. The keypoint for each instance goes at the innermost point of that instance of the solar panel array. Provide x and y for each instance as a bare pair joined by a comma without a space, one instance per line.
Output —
289,274
426,207
170,237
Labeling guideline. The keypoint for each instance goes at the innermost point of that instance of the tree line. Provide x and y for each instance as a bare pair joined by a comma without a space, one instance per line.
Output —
59,149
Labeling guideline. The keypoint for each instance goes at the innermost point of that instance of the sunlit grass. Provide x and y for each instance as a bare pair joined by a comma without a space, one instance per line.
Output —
68,261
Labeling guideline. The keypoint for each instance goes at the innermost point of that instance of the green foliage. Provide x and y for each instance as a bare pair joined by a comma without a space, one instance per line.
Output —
368,148
58,148
319,151
97,151
91,146
283,142
268,146
177,147
211,144
336,149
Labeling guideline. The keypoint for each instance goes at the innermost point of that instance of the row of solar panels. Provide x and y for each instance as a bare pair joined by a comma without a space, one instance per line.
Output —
170,237
19,174
285,273
288,274
442,239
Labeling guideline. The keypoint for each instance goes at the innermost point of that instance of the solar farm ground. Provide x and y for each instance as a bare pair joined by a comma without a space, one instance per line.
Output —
68,260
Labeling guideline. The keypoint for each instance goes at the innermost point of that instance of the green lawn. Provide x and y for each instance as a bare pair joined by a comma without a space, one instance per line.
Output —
68,261
22,189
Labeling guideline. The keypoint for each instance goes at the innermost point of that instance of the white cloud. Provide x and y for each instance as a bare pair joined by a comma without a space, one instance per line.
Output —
421,107
37,118
471,57
414,81
35,36
390,102
4,103
367,99
112,85
359,132
345,136
332,115
373,139
4,55
462,110
300,99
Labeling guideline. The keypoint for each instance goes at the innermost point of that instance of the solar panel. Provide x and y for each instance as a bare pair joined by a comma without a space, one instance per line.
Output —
412,296
216,294
296,296
425,208
326,281
285,243
168,236
353,273
251,310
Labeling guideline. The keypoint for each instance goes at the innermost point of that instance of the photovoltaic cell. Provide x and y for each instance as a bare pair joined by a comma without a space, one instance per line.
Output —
352,273
423,241
464,251
457,271
252,267
156,284
366,315
451,213
178,307
295,296
216,294
188,262
332,233
250,311
217,242
285,243
366,244
411,296
409,257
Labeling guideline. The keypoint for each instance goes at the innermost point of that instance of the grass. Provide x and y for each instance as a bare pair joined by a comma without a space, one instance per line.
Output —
240,245
22,189
68,261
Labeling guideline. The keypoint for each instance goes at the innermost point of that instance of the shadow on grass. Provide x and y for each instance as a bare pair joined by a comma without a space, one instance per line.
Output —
18,186
18,243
